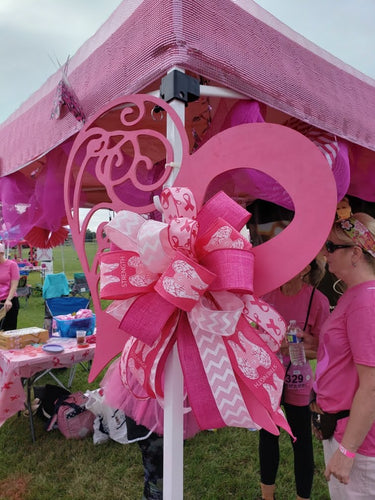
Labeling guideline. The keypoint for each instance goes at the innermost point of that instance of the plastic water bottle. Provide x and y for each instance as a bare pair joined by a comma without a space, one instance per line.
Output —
295,343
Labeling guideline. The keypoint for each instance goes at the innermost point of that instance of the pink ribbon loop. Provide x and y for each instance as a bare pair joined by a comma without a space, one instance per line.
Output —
220,235
183,234
184,282
154,235
178,202
146,317
233,270
123,274
220,205
198,294
207,317
124,228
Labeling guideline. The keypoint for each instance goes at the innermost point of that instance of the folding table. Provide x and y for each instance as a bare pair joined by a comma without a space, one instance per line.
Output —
27,363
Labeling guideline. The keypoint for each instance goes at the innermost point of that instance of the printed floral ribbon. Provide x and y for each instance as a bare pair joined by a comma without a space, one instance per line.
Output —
359,233
189,280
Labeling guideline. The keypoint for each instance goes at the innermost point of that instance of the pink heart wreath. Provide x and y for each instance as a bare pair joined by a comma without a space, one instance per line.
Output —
167,289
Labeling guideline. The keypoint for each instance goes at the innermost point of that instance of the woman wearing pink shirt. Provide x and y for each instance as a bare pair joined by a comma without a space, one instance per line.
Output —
9,277
345,373
296,300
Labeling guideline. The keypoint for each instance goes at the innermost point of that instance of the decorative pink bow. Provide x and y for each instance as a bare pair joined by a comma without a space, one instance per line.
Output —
189,280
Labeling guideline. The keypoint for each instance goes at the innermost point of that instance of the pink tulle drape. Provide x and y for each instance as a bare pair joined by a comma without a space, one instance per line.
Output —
34,200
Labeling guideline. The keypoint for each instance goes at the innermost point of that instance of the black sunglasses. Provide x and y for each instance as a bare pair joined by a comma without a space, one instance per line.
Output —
332,247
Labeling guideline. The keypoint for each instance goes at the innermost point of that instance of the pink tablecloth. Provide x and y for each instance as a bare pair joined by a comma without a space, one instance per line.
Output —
23,363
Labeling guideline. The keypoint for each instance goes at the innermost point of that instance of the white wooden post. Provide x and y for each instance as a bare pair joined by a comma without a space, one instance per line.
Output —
173,461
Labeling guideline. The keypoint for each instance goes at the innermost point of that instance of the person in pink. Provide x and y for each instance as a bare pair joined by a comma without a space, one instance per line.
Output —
345,373
9,277
297,300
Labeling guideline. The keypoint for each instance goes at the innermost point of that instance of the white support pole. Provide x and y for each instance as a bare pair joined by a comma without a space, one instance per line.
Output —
173,456
173,461
212,91
62,257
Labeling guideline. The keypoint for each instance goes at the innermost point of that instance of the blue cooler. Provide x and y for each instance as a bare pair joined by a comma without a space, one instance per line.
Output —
69,327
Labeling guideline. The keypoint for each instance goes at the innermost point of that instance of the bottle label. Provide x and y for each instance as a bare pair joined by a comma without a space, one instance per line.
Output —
293,339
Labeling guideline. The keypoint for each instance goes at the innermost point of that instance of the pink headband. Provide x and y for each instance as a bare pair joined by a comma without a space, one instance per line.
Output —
359,233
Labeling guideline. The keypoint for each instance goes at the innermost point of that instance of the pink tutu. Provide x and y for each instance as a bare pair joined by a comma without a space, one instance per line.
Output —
145,412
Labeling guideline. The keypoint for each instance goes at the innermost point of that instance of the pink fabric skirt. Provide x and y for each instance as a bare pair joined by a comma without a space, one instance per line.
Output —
145,412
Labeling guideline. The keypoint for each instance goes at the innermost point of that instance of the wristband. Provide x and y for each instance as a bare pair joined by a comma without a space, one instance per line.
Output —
346,452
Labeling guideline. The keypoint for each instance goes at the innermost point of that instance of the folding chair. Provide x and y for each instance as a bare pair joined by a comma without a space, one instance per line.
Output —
55,285
23,289
56,306
57,301
80,285
66,305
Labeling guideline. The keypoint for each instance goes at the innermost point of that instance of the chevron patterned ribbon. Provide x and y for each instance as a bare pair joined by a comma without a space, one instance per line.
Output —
189,280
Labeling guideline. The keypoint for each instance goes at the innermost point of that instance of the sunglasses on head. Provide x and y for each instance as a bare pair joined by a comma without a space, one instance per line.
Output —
332,247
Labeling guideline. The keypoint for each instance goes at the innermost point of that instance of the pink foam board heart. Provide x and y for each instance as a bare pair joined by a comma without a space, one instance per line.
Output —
297,164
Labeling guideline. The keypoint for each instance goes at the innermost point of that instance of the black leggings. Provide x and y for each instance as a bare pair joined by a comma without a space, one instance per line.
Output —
10,320
152,458
300,422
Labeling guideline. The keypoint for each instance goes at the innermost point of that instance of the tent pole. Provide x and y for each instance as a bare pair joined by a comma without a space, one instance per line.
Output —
62,258
212,91
173,458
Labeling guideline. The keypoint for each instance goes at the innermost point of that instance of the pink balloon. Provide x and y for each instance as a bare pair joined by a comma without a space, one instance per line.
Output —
258,184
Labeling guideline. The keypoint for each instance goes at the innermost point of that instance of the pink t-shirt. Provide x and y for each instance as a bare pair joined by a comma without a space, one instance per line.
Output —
348,338
297,391
8,271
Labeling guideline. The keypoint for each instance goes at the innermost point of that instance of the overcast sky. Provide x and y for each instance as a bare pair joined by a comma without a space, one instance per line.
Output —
34,34
345,28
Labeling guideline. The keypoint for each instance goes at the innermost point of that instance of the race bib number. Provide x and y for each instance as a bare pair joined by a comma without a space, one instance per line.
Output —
298,377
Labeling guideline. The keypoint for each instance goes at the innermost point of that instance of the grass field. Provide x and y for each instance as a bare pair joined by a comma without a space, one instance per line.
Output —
218,465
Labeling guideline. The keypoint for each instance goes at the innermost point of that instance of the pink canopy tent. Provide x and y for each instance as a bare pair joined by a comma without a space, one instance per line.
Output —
248,69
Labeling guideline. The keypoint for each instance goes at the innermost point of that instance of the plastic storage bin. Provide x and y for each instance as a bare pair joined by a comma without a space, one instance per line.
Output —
69,327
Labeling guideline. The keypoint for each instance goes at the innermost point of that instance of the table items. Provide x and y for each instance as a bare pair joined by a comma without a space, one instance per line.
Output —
81,337
53,348
16,339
